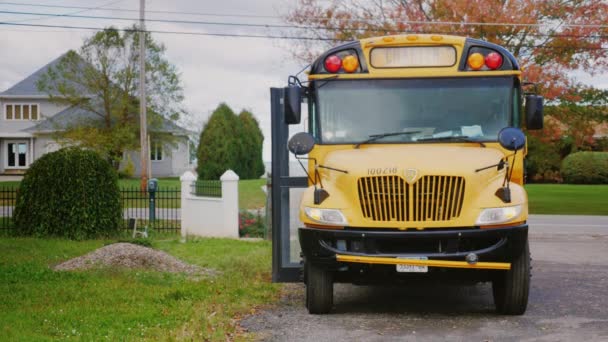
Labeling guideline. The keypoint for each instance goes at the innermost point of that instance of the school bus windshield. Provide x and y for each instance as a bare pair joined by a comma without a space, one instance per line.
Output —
349,111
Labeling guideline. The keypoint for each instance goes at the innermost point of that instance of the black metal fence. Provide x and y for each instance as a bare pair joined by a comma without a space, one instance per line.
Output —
135,205
166,216
8,197
207,188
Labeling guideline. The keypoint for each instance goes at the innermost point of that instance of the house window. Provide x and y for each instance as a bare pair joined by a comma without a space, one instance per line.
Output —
16,155
156,151
21,111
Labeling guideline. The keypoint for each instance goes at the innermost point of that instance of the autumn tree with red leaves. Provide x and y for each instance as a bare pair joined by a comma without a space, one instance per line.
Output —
550,39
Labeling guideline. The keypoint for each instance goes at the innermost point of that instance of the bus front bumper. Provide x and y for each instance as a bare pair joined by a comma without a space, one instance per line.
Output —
463,248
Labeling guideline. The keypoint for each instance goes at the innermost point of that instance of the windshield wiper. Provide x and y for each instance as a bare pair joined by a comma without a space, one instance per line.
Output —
375,137
463,138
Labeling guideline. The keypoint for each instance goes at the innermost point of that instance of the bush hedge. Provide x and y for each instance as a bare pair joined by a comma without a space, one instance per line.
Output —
585,168
71,193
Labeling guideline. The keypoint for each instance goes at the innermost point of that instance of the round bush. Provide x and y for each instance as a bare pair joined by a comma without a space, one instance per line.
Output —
585,168
70,193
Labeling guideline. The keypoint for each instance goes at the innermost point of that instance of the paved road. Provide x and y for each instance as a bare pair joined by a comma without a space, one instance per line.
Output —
568,300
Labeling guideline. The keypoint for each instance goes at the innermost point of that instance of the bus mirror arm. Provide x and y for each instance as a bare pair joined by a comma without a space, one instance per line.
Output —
504,192
499,166
320,194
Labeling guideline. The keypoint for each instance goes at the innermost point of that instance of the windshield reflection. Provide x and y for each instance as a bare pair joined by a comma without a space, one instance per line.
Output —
350,111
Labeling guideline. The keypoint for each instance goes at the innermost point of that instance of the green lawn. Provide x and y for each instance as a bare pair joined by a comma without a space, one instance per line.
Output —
37,303
172,183
251,195
568,199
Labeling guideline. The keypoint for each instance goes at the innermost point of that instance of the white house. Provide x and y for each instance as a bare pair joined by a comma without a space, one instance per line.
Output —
28,120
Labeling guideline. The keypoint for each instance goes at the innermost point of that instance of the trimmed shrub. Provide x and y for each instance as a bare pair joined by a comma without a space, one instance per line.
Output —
71,193
585,168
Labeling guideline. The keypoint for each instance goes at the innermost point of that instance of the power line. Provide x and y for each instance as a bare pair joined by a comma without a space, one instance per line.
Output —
71,13
172,21
213,34
261,36
214,23
204,14
401,20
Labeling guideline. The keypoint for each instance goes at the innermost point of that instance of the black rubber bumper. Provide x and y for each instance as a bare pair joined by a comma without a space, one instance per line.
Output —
320,246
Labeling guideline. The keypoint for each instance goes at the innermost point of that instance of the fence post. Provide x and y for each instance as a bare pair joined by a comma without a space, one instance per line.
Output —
230,198
187,180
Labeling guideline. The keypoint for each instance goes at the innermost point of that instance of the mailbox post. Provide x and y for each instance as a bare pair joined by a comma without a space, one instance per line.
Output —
152,188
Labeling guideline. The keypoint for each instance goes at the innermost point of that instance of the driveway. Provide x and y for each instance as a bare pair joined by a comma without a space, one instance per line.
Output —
568,299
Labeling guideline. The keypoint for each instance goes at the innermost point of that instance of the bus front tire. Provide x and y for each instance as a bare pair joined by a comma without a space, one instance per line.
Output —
511,288
319,289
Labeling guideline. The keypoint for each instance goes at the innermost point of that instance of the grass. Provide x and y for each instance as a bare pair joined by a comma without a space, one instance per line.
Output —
163,183
251,195
568,199
37,303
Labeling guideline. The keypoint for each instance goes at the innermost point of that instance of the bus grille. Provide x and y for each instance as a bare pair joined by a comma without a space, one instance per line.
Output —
431,198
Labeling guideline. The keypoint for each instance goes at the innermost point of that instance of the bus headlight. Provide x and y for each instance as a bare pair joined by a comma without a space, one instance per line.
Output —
327,216
498,215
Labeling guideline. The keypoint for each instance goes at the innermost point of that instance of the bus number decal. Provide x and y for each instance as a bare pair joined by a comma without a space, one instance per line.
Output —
381,171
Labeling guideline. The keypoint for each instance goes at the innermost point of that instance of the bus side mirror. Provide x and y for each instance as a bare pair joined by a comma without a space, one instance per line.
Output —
301,143
511,138
534,112
293,104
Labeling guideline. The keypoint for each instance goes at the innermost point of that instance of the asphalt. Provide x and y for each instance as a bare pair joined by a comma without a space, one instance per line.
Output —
568,299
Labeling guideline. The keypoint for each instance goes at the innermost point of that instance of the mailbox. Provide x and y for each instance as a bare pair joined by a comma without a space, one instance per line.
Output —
152,189
152,185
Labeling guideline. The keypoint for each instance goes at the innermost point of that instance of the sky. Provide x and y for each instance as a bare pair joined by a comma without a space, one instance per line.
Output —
237,71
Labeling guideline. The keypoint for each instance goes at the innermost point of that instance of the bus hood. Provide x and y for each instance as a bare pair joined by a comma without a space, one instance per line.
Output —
419,186
425,159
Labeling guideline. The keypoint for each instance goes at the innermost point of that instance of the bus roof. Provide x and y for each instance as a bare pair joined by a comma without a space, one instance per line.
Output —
414,55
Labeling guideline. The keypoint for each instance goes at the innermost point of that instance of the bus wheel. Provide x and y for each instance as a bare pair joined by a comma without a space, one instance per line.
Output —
511,288
319,289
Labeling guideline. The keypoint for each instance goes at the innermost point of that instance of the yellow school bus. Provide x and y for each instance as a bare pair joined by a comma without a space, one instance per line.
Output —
415,163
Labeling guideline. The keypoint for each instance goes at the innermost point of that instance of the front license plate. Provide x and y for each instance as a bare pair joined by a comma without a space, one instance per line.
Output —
412,268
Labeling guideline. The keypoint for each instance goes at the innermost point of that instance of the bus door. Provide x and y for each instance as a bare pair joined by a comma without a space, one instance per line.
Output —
287,185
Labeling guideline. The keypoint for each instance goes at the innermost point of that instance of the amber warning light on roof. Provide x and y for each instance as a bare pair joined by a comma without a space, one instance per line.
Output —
413,56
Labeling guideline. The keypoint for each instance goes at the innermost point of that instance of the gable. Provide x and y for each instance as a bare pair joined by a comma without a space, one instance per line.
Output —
28,86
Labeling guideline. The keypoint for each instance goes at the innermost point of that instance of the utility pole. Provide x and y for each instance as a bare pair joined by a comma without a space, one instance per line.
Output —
143,123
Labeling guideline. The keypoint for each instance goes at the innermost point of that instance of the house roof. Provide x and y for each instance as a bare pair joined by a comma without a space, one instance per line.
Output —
64,119
27,86
75,115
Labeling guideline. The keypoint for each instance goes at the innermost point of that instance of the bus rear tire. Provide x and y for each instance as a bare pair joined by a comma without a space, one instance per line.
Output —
319,289
511,288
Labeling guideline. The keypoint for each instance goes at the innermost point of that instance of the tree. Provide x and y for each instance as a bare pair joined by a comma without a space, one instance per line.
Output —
549,38
102,80
252,142
231,142
579,110
219,147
